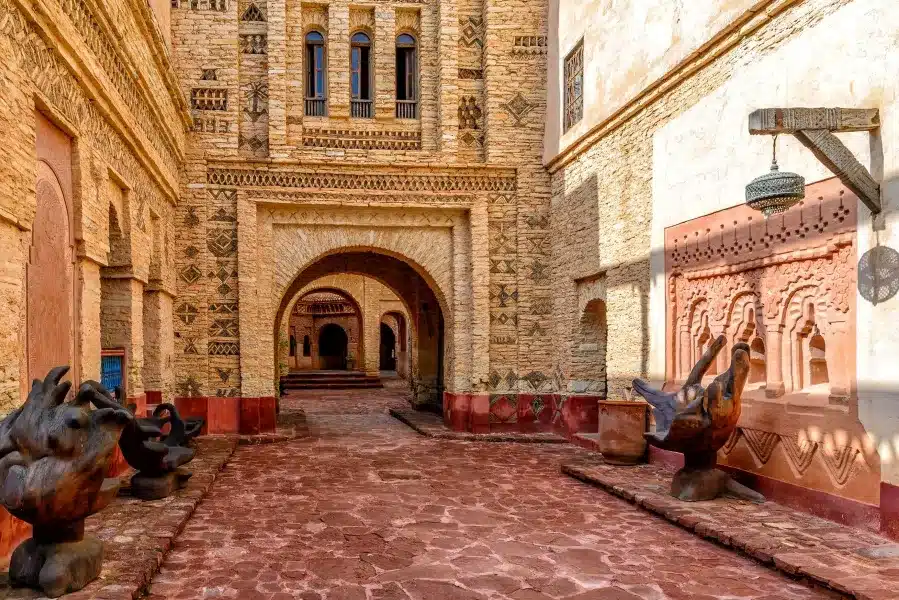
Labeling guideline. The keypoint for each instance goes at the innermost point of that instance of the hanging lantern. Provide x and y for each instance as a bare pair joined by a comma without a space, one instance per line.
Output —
775,192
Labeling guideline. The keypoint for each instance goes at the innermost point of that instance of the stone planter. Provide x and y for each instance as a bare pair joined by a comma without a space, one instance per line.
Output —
621,427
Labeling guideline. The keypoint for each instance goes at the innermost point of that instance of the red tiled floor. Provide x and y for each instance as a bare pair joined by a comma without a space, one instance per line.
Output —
366,509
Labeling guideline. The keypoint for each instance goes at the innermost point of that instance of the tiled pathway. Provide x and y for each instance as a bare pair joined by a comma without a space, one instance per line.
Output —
366,509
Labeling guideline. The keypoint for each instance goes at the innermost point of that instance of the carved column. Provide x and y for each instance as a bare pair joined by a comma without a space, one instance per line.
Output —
774,361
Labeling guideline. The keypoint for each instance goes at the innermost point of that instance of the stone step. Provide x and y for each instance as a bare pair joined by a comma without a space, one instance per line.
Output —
334,386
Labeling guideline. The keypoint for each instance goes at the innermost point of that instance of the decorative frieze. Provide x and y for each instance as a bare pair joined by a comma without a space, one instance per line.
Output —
361,140
361,181
209,99
529,45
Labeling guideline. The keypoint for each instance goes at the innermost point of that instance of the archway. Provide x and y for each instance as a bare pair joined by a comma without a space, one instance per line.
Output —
332,347
312,308
417,294
388,349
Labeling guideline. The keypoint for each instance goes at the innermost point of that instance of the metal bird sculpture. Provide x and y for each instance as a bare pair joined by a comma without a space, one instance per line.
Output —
697,421
157,456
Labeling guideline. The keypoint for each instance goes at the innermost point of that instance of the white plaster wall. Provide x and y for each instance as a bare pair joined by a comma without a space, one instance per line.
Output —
703,160
628,44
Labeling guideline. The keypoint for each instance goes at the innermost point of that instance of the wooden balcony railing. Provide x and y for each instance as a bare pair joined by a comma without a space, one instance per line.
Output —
316,107
361,109
406,109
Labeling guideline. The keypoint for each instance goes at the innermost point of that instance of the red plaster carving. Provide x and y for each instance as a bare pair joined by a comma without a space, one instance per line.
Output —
786,286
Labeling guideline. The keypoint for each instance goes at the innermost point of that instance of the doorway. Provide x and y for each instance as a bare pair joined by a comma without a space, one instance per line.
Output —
388,348
332,347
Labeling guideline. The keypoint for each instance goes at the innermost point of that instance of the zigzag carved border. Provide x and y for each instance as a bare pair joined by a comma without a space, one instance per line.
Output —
387,182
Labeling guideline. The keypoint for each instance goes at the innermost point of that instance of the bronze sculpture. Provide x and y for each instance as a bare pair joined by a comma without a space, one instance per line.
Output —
698,421
157,456
53,459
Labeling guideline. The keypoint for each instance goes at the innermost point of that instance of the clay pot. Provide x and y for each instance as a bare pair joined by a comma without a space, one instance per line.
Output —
621,427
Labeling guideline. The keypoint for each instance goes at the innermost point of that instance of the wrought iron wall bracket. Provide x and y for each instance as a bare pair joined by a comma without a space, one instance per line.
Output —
814,128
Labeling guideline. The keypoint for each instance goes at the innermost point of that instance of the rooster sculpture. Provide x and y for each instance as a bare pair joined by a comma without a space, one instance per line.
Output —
697,421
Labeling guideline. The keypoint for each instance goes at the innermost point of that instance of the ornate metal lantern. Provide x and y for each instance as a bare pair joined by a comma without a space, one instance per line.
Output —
775,192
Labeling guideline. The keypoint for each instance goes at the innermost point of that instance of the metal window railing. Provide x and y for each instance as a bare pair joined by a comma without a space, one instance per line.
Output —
361,109
406,109
316,107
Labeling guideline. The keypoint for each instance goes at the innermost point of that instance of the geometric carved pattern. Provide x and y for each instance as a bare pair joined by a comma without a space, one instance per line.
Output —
360,181
503,408
252,14
518,107
209,99
222,242
361,140
841,462
190,274
224,348
471,31
469,113
760,443
799,452
731,442
529,45
471,74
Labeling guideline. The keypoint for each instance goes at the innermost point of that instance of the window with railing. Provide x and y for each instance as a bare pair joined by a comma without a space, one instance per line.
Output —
574,86
360,76
406,77
316,71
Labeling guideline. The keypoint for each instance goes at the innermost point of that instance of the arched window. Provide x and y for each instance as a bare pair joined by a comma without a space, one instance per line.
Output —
817,366
406,77
757,366
315,74
360,76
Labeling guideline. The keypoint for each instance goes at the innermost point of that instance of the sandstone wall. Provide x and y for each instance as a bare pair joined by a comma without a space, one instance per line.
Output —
681,151
459,192
115,105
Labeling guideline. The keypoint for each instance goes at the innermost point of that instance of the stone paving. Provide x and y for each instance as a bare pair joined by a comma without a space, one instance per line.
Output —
859,562
366,509
137,534
431,425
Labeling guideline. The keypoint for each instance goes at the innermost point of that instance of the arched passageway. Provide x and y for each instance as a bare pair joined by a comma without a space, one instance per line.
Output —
313,310
425,310
332,347
388,348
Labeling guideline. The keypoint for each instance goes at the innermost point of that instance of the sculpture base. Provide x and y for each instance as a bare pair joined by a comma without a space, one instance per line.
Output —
147,487
700,480
56,568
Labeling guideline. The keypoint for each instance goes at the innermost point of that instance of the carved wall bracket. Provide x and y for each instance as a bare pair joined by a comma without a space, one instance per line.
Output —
814,128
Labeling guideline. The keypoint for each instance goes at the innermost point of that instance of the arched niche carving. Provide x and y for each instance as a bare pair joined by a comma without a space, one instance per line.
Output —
50,295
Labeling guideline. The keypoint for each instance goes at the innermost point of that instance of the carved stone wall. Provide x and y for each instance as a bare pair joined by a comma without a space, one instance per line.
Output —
117,111
786,286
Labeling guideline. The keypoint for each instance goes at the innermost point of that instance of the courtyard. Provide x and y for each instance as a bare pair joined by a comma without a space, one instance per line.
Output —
363,508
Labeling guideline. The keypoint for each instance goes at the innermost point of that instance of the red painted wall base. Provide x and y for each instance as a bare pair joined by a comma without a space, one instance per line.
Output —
248,416
526,413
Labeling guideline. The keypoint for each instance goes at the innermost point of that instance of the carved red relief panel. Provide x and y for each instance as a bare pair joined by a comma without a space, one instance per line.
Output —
786,286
